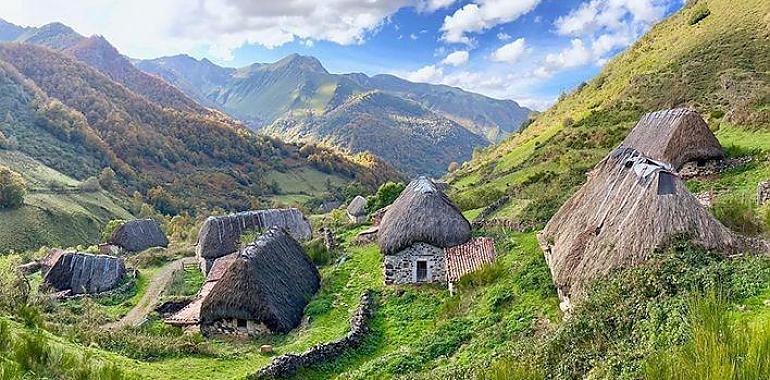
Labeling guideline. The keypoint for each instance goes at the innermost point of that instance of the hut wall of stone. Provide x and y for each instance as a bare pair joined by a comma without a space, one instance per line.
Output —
401,268
234,327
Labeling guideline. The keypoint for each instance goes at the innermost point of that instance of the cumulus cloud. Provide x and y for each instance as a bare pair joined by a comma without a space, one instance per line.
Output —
503,36
457,58
482,15
510,52
426,74
175,26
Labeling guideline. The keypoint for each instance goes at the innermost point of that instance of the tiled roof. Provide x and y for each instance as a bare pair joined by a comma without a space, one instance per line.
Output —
190,314
468,257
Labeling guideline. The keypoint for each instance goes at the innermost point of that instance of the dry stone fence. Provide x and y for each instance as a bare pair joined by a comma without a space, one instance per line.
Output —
763,192
286,365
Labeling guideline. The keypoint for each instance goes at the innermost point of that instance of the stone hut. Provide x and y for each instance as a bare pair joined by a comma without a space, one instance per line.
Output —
83,273
630,205
219,236
414,232
262,289
138,235
676,137
357,210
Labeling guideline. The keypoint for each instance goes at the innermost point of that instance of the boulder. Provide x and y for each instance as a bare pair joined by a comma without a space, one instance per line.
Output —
138,235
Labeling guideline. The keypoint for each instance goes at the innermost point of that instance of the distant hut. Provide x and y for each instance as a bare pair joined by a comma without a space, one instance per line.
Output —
357,210
219,236
675,136
138,235
82,273
416,229
262,289
630,205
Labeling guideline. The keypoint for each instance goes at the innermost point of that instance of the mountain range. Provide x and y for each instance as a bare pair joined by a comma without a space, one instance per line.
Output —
297,99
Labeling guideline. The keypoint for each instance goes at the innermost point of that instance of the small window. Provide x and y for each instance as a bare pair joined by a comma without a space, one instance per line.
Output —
422,271
241,323
666,184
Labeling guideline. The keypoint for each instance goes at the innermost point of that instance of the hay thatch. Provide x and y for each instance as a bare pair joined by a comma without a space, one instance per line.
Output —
629,206
219,236
357,209
83,273
138,235
674,136
422,214
270,282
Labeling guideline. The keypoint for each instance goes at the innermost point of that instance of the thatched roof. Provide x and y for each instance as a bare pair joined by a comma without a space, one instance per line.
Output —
675,136
629,206
219,236
422,214
357,206
270,281
138,235
190,314
83,273
469,257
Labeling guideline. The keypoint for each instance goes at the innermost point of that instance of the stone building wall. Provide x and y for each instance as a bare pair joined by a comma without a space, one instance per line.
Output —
763,192
401,268
233,328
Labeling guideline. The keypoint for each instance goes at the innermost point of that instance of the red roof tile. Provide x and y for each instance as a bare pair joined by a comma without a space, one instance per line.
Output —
468,257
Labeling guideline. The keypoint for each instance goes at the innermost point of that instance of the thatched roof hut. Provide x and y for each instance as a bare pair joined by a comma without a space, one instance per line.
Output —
190,314
356,210
219,236
629,206
422,214
674,136
138,235
83,273
270,281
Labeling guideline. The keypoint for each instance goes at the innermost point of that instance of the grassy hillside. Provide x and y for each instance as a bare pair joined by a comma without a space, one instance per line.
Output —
56,211
718,65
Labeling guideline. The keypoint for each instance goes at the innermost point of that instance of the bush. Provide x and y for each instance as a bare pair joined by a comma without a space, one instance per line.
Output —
738,213
316,250
107,178
90,185
110,227
386,194
12,188
699,15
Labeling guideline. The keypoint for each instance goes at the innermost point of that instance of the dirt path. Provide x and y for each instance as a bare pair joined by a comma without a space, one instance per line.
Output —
149,300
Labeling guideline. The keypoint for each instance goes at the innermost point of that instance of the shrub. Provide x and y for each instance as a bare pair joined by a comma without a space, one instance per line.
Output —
453,166
90,185
386,194
487,274
698,15
316,250
717,349
12,188
107,178
110,227
739,214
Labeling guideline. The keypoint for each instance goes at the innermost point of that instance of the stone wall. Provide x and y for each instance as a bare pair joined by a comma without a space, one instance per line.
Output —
763,192
401,268
288,364
231,327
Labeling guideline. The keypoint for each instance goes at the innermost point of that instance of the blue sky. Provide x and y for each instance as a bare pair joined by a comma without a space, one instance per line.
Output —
526,50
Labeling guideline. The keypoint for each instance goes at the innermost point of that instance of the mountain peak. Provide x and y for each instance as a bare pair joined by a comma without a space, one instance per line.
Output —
302,62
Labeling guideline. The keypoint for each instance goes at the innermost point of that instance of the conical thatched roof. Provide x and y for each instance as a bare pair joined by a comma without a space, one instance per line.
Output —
357,206
674,136
83,273
629,206
270,281
422,214
138,235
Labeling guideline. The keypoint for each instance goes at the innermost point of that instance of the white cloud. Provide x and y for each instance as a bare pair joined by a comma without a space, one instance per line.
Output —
576,55
482,15
510,52
427,74
503,36
219,26
457,58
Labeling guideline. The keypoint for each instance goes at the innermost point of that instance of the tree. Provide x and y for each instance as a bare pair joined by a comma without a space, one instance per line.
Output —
453,166
386,194
12,188
107,178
